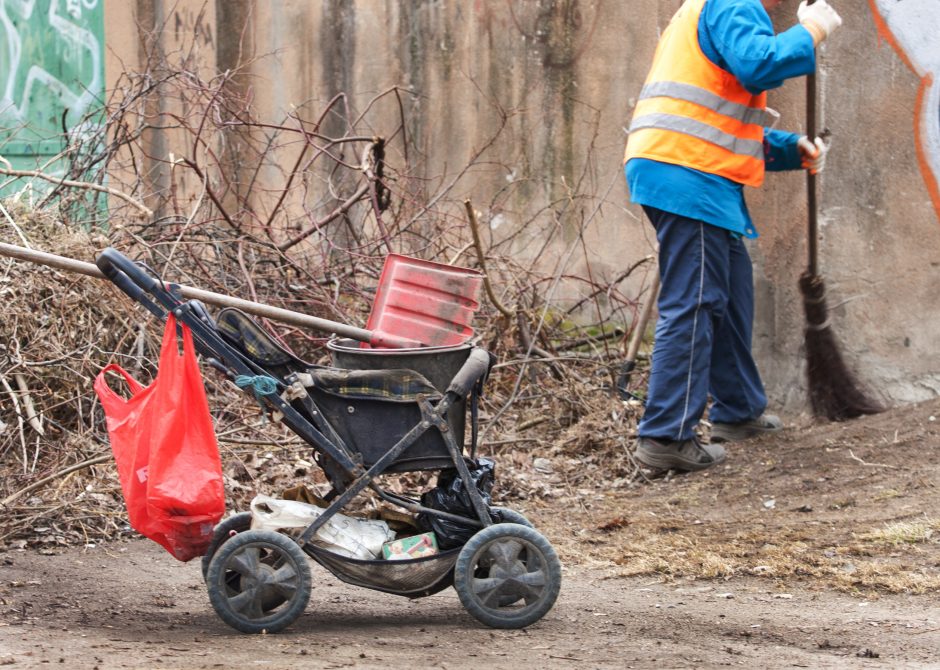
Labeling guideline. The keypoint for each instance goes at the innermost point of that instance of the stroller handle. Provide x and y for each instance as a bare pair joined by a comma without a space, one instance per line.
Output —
130,278
125,273
477,365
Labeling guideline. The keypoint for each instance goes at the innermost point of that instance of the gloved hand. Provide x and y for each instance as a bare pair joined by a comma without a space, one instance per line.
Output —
813,154
819,18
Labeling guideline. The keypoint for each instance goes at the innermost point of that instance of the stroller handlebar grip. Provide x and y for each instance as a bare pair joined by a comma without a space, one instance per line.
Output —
130,278
112,262
477,365
117,267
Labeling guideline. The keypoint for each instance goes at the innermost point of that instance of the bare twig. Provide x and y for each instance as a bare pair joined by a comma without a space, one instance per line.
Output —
71,183
19,417
19,232
34,420
481,258
332,216
871,465
51,478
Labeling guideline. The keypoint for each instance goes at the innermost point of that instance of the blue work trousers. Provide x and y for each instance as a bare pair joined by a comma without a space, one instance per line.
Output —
703,336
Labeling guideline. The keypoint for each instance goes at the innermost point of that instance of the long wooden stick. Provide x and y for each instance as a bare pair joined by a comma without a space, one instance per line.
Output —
812,208
639,330
256,308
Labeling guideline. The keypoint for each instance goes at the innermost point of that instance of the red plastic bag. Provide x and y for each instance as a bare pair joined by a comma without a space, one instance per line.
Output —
166,452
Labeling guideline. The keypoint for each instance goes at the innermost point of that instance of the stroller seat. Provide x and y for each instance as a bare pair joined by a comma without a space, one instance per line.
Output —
391,385
371,410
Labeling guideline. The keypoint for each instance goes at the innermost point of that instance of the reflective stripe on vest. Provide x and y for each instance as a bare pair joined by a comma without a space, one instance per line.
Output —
695,114
703,131
690,93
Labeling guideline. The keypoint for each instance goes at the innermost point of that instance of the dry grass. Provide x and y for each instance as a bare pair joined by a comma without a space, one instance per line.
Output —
922,531
851,531
872,567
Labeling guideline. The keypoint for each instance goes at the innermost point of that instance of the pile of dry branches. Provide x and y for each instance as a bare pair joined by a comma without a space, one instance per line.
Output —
297,213
55,331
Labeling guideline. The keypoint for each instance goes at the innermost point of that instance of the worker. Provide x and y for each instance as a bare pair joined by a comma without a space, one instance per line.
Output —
701,131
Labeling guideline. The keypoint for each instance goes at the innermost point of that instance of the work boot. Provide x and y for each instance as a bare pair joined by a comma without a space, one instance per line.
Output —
686,455
735,432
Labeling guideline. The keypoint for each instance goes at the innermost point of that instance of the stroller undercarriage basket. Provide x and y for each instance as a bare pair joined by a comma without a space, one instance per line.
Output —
375,412
414,578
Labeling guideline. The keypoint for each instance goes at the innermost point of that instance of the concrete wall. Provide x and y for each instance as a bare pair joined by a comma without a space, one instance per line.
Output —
568,72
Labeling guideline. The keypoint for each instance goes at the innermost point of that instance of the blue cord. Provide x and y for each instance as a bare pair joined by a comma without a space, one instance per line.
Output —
261,385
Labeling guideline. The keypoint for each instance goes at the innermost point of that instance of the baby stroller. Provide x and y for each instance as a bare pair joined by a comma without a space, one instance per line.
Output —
374,412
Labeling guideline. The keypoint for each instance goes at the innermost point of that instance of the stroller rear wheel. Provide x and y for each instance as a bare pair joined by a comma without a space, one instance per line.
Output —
229,527
507,576
259,581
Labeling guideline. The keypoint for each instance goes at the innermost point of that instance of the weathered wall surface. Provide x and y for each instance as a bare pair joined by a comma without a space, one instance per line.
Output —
568,71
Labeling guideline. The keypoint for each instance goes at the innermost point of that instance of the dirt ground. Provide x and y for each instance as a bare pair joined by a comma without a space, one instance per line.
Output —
815,548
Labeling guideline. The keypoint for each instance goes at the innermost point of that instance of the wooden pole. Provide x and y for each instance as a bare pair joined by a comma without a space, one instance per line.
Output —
256,308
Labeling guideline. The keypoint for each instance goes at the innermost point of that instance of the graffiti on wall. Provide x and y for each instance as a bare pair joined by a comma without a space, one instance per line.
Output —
911,27
51,69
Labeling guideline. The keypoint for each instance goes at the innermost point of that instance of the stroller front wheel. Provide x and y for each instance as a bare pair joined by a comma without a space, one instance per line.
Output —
507,576
506,515
259,581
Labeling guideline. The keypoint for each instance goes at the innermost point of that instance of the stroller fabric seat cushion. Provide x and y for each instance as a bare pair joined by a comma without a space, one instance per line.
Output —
389,385
247,335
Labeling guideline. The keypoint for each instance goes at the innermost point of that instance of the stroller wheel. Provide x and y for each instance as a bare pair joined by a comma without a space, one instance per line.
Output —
223,532
259,581
238,523
507,576
506,515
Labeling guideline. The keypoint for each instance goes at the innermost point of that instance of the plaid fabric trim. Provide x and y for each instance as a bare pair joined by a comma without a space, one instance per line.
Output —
393,385
247,334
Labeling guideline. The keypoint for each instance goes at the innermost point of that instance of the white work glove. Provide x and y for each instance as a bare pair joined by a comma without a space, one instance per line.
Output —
819,18
813,154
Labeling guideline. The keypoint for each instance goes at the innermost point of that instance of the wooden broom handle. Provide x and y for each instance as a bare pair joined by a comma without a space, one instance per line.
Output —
811,206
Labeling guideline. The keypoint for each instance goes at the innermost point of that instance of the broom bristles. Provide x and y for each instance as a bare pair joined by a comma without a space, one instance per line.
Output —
834,392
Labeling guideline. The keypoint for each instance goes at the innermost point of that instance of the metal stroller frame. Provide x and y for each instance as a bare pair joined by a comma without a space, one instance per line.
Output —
506,575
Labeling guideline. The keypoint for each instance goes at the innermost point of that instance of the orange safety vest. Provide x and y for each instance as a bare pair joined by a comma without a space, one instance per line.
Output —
693,113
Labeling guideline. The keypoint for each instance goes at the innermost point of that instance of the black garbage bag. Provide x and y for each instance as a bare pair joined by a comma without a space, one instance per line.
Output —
450,495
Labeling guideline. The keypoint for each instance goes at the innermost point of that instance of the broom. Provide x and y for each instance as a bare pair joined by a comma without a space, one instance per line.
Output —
834,392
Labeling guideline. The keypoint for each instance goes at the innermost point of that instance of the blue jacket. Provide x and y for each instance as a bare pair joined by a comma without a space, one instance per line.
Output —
738,36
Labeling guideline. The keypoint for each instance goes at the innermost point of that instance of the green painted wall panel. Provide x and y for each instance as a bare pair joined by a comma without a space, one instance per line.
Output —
51,78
